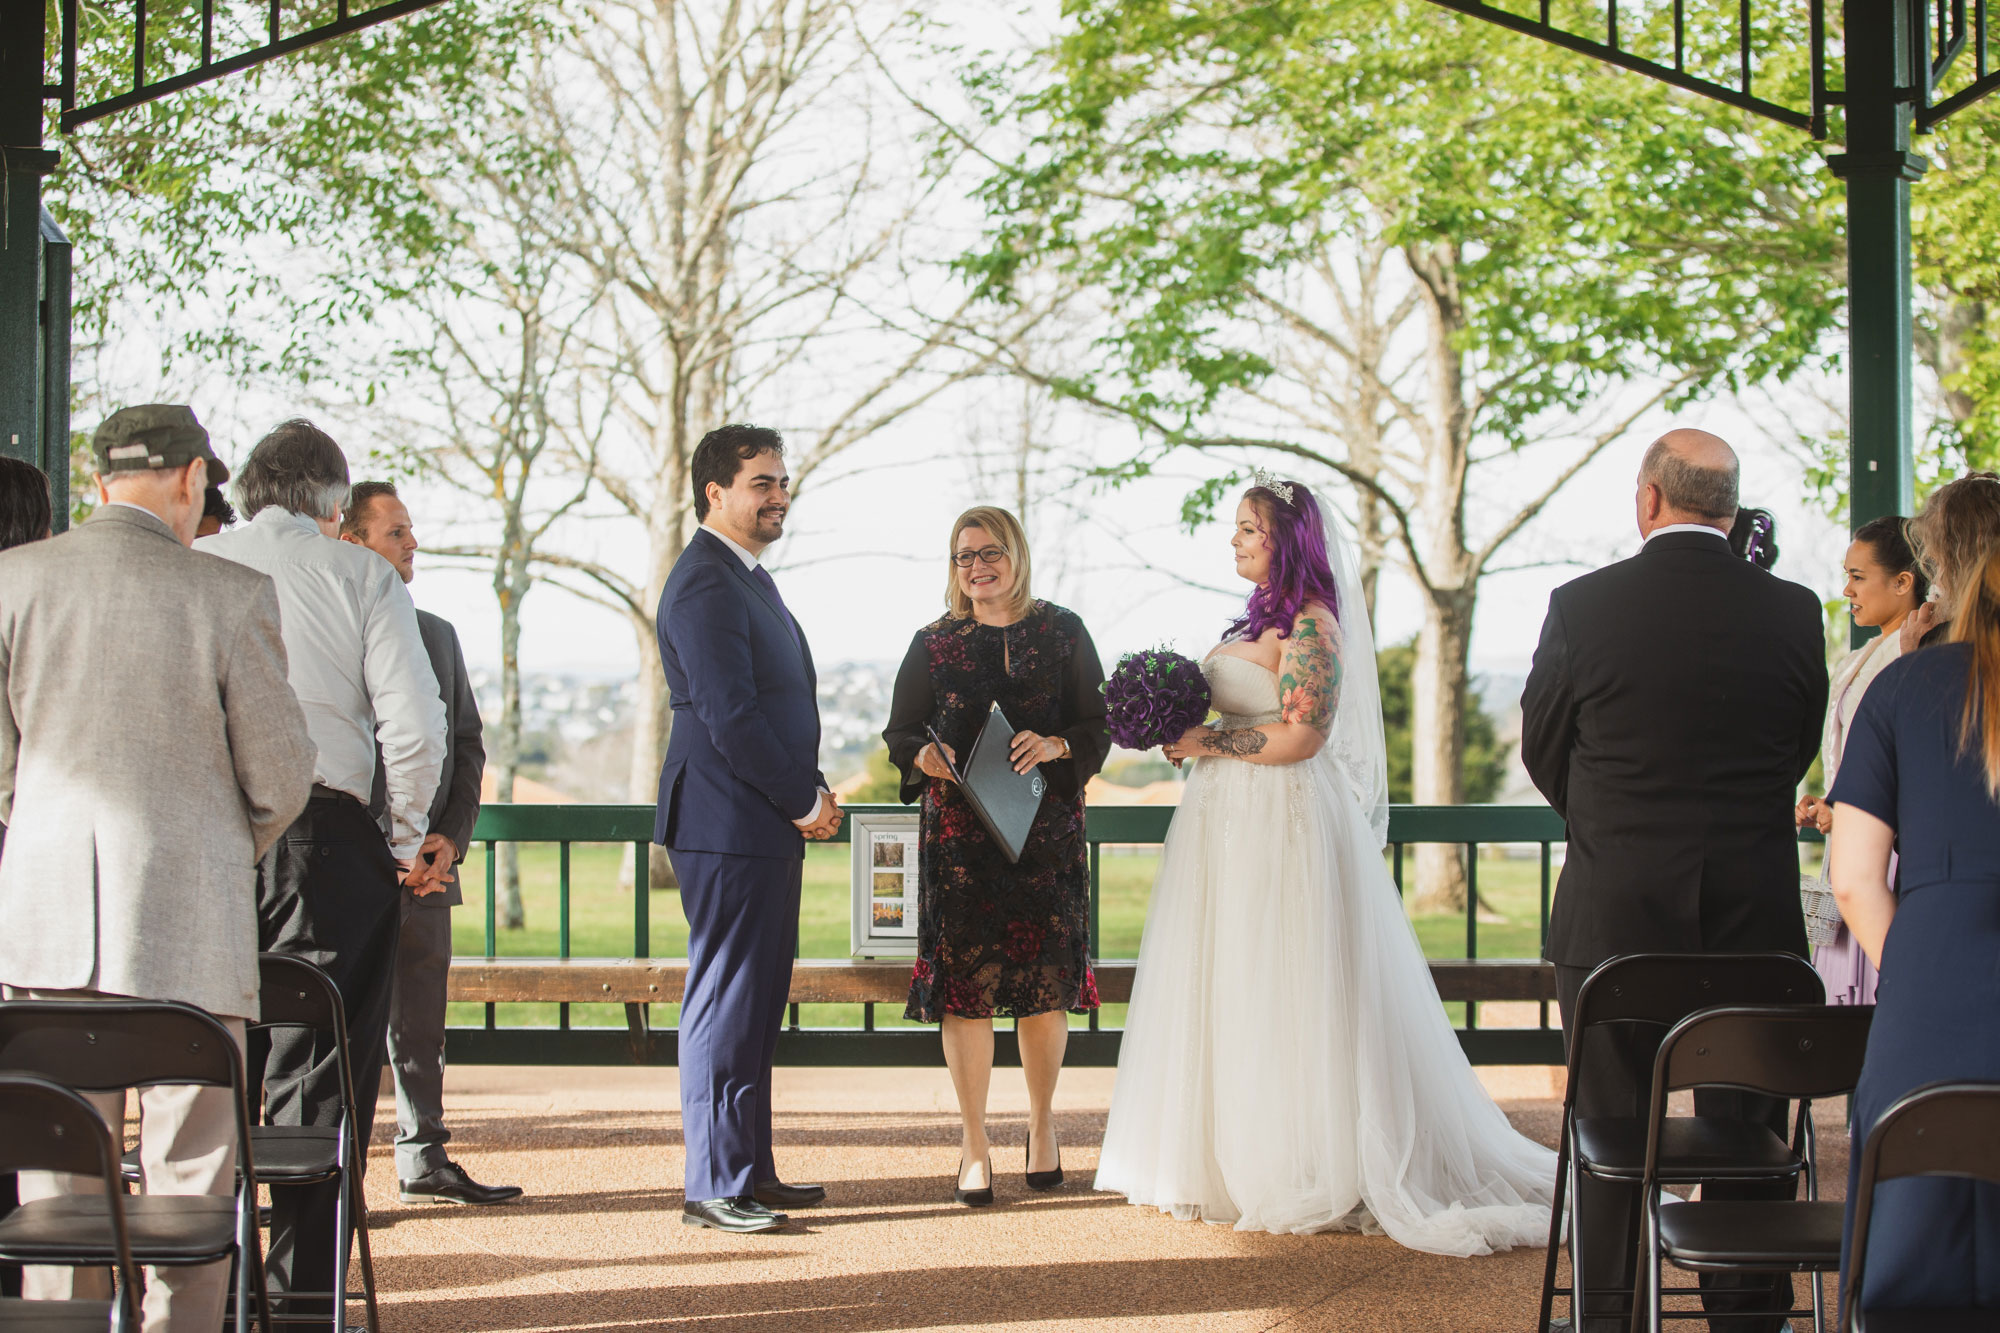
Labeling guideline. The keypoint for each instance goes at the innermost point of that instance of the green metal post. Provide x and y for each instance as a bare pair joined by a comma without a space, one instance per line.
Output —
642,904
23,265
1882,49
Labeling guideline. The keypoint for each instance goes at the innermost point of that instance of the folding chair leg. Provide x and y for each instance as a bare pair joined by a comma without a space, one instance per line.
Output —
1555,1241
250,1262
1819,1303
1577,1248
339,1292
1642,1322
367,1261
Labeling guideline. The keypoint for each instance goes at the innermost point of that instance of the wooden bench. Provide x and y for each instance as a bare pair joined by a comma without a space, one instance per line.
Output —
877,981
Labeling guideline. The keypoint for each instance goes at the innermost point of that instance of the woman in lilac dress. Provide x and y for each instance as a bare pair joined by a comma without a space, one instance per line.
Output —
1884,586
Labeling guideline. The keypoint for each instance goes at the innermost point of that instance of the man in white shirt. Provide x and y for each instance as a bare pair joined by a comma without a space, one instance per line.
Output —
329,892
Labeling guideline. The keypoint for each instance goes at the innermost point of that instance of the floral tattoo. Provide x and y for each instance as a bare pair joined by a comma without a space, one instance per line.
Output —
1309,678
1238,743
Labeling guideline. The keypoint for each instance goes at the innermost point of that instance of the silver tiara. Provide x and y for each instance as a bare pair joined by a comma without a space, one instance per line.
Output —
1269,481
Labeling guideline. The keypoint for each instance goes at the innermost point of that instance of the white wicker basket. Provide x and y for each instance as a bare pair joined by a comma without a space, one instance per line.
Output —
1822,916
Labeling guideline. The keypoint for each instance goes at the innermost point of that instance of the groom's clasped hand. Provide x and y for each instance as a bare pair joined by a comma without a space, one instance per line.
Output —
828,820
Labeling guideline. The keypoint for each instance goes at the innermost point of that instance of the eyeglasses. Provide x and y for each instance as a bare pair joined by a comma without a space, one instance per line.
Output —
991,555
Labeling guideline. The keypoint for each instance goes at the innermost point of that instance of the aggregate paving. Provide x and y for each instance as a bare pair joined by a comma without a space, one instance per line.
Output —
599,1244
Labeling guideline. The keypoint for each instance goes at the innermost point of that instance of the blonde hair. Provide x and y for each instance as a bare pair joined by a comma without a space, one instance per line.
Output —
1952,534
1978,624
1007,534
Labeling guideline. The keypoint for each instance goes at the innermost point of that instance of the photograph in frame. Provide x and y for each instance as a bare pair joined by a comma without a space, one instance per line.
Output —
885,878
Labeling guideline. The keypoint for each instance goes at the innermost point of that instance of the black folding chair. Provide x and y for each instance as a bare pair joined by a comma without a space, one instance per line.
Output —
1942,1129
292,993
110,1045
1800,1053
46,1127
1659,990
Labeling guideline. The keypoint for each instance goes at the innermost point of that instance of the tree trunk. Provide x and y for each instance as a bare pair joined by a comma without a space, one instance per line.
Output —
1437,737
652,719
652,715
507,752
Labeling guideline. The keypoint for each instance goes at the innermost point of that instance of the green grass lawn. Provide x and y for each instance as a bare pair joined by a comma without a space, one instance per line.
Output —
601,924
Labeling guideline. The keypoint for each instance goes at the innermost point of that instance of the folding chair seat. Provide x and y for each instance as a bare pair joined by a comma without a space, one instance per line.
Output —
106,1046
1768,1234
1691,1148
19,1316
1939,1130
1659,990
1799,1053
47,1127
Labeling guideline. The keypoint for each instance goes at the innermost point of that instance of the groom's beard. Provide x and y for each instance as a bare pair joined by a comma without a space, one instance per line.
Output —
770,524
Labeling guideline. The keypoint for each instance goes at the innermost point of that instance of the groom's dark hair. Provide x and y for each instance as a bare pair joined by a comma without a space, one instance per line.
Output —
722,454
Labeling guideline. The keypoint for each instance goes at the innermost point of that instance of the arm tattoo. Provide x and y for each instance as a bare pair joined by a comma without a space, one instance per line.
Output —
1247,741
1309,679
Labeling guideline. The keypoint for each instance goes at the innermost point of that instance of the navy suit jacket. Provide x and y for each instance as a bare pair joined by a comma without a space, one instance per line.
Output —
743,757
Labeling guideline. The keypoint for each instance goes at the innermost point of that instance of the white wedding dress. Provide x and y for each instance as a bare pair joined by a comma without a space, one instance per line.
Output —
1286,1066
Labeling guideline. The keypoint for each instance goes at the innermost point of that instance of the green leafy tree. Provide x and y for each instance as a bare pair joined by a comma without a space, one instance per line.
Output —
1385,245
1485,758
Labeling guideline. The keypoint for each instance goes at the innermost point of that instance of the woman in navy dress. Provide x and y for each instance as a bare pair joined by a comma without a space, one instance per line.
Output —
1922,773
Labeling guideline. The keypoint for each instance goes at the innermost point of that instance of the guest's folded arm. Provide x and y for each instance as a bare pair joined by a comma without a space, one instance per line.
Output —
1864,800
1858,868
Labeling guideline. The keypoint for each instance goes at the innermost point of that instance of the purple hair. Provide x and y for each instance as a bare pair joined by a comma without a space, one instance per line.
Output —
1300,569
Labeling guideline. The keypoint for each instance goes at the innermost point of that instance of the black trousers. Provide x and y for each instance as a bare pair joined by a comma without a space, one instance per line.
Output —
327,893
1617,1075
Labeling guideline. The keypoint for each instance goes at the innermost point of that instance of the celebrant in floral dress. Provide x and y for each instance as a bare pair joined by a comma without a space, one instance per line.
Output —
994,939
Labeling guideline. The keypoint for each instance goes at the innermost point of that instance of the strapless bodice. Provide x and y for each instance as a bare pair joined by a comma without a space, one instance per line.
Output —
1245,693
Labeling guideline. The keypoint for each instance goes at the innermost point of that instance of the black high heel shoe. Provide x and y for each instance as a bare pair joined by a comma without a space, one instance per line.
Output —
1044,1180
973,1198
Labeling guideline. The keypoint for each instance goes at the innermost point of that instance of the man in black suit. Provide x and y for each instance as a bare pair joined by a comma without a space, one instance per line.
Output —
1675,702
377,519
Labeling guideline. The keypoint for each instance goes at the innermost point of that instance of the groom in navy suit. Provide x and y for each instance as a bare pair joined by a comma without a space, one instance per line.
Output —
740,792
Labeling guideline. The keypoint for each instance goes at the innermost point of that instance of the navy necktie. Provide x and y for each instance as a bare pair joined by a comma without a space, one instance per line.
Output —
770,585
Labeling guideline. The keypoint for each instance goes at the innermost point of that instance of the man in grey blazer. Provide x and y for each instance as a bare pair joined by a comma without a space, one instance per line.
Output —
377,519
151,750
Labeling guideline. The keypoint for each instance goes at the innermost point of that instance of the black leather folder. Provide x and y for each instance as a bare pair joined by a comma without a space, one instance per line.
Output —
1004,800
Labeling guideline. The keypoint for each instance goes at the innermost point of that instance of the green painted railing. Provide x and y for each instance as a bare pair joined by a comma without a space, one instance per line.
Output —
1469,827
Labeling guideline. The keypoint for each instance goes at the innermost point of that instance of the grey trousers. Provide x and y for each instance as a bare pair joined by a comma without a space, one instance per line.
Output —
416,1038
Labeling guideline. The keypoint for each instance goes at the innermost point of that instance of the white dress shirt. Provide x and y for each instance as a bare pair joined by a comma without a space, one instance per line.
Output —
751,562
355,659
1703,528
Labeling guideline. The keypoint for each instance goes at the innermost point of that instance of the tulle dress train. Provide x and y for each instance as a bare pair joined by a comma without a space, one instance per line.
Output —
1286,1064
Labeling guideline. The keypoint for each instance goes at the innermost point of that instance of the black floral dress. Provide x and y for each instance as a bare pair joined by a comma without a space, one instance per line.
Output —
993,939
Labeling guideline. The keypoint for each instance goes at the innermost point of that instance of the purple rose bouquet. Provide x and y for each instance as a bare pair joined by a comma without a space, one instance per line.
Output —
1154,697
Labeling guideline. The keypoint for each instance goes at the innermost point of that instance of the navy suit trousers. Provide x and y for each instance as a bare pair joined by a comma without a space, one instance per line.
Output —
743,929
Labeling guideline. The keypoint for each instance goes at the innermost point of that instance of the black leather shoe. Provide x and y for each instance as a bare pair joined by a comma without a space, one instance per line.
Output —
972,1198
1044,1180
777,1194
450,1184
742,1214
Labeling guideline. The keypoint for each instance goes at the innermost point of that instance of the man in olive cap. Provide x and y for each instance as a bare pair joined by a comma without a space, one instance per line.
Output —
151,750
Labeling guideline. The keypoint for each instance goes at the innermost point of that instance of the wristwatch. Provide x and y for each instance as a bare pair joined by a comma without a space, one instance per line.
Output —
1062,741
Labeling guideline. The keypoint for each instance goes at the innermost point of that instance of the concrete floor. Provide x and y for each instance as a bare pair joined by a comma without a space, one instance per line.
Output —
599,1244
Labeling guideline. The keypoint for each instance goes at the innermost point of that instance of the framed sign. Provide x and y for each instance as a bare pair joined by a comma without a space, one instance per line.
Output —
884,888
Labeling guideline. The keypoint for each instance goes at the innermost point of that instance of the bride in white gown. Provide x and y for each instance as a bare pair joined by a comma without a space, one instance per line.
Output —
1286,1063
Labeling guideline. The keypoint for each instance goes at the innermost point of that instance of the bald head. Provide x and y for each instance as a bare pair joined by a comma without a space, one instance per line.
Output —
1687,476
